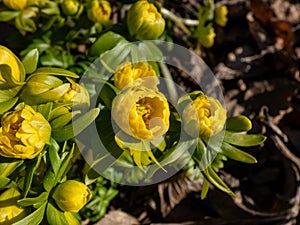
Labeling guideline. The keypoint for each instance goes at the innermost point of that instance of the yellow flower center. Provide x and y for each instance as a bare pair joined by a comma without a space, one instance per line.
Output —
144,109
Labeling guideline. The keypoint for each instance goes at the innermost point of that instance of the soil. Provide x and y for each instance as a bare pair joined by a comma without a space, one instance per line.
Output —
256,58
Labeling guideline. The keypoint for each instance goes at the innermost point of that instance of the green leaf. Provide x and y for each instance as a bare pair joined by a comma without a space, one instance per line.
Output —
55,72
34,218
8,15
91,176
36,202
7,105
53,155
30,61
105,42
8,166
77,126
66,158
149,52
49,180
112,59
176,154
107,94
238,124
237,154
243,139
55,216
212,177
200,154
204,188
6,183
31,167
45,109
62,120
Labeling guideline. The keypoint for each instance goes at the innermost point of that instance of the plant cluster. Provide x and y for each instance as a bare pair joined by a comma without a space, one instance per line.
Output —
80,69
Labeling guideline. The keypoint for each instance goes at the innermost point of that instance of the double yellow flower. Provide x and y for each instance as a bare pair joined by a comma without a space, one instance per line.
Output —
204,116
140,110
24,133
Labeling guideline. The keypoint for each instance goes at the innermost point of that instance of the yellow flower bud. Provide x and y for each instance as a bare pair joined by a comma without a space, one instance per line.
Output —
204,116
126,74
206,35
23,133
17,70
77,94
15,4
141,112
98,11
9,211
221,15
144,21
70,7
43,88
71,195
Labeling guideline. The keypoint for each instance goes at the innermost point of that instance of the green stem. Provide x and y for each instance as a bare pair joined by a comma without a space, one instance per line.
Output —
177,20
169,82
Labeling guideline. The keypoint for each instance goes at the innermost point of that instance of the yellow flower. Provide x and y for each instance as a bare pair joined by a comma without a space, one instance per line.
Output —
141,112
70,7
204,116
221,15
144,21
77,94
23,134
98,11
17,70
127,73
206,35
71,195
9,211
43,88
15,4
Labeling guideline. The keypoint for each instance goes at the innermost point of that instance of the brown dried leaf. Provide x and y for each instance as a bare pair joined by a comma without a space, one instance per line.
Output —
261,11
116,218
283,29
173,192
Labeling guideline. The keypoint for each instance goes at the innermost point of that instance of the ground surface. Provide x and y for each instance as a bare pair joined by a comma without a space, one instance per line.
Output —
256,57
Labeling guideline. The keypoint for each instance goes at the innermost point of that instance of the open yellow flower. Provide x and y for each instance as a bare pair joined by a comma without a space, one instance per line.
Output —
17,70
144,21
204,116
141,112
141,73
9,211
98,11
71,195
23,133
